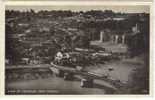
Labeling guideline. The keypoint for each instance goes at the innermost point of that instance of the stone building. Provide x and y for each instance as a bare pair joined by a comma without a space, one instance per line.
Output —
104,36
119,39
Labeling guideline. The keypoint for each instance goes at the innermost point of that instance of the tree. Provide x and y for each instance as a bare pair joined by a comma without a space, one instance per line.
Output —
13,47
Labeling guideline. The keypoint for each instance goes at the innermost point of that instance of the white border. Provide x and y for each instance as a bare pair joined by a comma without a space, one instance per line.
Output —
74,3
36,3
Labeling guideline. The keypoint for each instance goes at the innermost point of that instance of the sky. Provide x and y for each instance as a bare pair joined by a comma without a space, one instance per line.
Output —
122,9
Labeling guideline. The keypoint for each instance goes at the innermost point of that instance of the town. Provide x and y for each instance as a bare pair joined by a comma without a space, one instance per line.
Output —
77,52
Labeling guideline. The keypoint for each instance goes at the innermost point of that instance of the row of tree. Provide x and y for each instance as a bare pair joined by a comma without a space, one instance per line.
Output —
64,13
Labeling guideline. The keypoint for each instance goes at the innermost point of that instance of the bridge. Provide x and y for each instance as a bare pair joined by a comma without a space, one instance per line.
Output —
28,72
84,75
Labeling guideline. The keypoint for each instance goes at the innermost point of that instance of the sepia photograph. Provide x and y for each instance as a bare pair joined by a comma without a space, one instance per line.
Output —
77,50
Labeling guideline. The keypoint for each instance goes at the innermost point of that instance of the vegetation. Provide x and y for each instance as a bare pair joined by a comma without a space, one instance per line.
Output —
68,29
